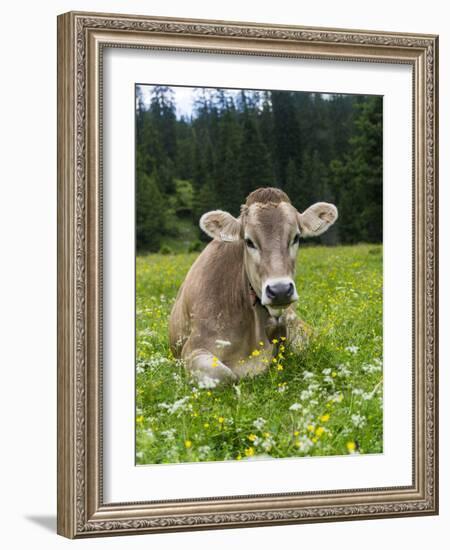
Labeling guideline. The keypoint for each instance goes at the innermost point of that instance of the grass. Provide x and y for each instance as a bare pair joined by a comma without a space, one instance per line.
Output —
326,400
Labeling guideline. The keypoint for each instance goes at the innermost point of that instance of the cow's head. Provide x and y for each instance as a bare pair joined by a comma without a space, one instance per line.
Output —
270,229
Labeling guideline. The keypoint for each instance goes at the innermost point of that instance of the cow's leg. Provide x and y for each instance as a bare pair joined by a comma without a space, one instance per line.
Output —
207,369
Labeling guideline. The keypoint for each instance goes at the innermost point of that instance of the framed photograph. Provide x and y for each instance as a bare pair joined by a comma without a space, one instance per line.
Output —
247,274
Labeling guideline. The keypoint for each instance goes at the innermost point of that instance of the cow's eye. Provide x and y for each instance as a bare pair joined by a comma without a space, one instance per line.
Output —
296,239
250,243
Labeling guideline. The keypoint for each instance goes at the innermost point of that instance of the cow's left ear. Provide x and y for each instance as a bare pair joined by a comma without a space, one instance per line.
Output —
317,219
221,225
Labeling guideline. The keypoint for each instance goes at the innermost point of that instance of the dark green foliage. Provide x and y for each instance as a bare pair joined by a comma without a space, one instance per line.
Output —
358,177
316,147
150,213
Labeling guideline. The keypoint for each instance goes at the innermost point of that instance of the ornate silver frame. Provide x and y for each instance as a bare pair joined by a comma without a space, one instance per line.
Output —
81,39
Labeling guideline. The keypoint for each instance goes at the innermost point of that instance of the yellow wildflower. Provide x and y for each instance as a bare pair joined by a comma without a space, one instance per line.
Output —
256,352
261,343
279,367
310,428
250,451
296,433
239,457
314,440
320,430
206,425
274,341
282,338
251,437
351,446
325,418
188,444
221,419
334,374
140,419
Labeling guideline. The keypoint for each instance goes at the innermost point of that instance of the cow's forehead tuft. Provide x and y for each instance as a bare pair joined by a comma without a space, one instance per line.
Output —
271,215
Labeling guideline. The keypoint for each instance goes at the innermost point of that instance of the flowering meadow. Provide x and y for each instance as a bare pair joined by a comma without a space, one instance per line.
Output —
326,400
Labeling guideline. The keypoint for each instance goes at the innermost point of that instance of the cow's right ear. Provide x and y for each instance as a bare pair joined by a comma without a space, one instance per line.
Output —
221,225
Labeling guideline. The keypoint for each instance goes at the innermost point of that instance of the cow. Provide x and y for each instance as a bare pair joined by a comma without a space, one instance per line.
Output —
236,302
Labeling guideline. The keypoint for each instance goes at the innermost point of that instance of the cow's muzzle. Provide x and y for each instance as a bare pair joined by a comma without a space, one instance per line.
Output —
279,292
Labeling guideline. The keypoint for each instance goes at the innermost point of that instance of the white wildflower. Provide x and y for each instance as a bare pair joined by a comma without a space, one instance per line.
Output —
369,369
304,444
259,423
268,443
305,394
204,451
344,370
179,405
326,372
208,383
169,434
307,375
156,361
358,420
352,349
295,407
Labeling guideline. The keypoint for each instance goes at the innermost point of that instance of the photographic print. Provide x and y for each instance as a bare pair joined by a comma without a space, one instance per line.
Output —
247,274
259,274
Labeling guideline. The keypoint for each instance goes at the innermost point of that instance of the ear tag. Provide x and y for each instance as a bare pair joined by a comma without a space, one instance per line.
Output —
226,237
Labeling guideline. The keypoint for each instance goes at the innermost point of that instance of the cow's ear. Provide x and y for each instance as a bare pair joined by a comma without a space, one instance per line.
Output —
221,225
317,219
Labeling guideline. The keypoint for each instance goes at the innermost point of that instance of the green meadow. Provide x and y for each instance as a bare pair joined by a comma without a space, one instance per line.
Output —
326,400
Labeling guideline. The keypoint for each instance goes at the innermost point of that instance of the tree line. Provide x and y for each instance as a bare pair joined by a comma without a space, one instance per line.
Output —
315,147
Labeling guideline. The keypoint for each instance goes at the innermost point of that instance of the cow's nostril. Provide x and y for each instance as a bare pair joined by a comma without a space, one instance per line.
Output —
271,294
290,290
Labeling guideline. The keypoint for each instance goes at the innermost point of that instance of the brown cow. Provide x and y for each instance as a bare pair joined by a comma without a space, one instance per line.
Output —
238,295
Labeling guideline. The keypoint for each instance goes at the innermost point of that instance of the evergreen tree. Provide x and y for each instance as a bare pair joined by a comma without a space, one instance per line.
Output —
359,177
255,168
150,216
227,183
286,133
317,147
